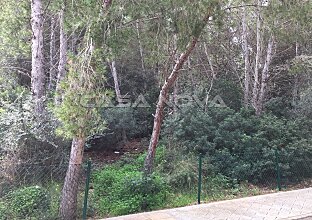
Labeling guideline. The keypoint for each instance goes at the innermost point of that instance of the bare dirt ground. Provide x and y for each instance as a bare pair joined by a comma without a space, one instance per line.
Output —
108,156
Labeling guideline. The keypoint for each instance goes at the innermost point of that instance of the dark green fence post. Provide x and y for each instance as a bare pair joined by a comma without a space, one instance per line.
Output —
85,203
278,171
199,177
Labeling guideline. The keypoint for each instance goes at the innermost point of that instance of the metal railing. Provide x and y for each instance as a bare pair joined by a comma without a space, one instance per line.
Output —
277,170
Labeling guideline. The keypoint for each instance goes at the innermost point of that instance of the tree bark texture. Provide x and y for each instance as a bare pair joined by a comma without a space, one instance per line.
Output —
246,59
116,82
296,91
163,96
37,70
52,65
63,59
265,76
140,46
118,95
213,76
255,91
68,205
176,84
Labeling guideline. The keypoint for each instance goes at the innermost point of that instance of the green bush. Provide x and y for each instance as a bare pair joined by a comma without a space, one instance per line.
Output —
32,201
121,191
241,145
137,163
184,175
3,211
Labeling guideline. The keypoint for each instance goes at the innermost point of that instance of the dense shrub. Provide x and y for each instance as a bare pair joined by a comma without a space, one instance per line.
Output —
29,201
242,146
123,190
3,211
184,174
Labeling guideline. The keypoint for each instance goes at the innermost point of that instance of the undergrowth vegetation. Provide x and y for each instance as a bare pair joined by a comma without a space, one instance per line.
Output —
239,152
30,202
121,188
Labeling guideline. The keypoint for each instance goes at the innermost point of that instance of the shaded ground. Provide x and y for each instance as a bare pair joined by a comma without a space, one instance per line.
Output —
111,155
295,204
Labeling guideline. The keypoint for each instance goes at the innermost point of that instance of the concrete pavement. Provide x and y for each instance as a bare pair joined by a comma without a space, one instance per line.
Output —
290,205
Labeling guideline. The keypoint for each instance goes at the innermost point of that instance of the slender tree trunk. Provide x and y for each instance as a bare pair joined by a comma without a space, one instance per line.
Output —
141,51
296,81
175,85
52,69
163,96
37,70
116,82
213,74
257,62
124,135
63,59
140,46
175,97
246,59
265,76
118,95
68,205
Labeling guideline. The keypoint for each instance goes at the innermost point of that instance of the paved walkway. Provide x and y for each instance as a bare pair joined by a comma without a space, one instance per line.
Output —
284,205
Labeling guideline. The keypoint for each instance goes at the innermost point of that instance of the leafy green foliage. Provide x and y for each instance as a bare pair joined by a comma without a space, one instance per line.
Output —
240,145
120,190
3,211
230,93
304,105
120,119
14,28
28,201
84,96
19,129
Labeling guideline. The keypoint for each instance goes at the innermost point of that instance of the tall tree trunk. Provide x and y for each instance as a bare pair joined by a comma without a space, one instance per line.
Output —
255,91
265,76
140,46
118,95
175,97
68,205
175,85
63,59
163,95
213,74
116,82
141,51
52,69
246,59
37,70
296,81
